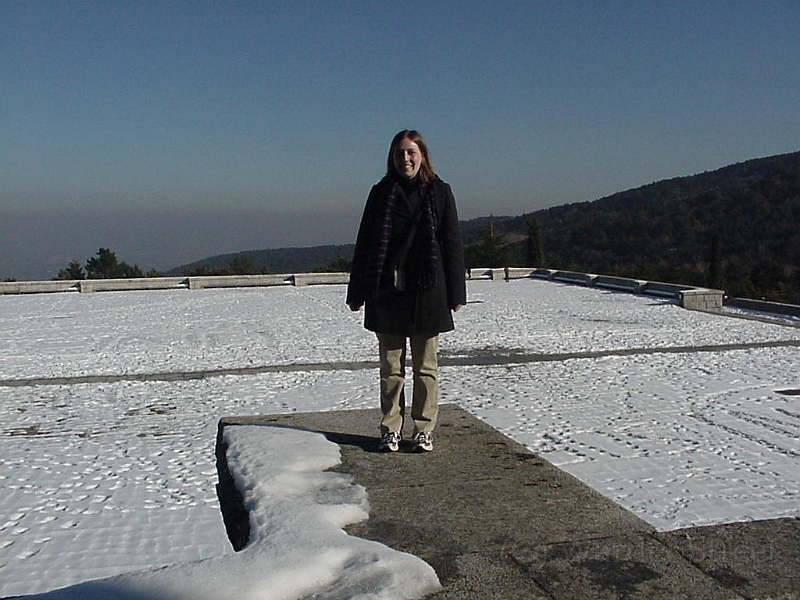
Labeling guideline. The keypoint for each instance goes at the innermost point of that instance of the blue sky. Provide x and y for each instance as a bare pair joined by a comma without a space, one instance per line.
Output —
170,128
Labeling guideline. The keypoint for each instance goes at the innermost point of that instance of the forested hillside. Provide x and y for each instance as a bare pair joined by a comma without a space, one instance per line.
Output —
737,228
275,260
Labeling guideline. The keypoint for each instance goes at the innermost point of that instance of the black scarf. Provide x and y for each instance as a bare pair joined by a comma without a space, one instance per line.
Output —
429,267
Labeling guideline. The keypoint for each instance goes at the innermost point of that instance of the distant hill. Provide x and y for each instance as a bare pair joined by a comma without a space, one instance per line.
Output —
737,228
747,215
276,260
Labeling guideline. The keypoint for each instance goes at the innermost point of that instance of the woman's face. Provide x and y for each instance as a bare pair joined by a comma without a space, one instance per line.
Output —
407,158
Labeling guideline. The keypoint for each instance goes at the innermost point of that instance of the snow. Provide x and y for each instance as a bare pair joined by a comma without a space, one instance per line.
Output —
297,546
109,487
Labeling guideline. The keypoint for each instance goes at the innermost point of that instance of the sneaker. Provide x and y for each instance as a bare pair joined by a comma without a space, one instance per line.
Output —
422,441
390,442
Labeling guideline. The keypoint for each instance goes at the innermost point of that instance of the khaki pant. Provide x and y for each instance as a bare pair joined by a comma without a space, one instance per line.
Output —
425,367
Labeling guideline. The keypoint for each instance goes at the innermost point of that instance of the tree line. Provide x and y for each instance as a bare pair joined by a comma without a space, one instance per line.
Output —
736,229
104,265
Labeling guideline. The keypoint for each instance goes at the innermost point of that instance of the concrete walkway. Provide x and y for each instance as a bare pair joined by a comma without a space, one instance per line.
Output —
497,521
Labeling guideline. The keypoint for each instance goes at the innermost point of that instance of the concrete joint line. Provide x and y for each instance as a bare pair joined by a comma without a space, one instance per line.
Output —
464,360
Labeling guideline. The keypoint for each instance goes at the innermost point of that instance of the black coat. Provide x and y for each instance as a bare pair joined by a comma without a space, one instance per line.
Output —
417,309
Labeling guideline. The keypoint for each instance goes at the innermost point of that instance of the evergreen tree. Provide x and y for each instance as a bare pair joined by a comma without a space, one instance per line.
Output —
106,266
73,271
534,248
715,279
491,250
766,277
103,266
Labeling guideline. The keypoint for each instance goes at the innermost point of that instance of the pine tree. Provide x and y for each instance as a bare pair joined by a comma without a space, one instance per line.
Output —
715,270
534,248
491,249
73,271
103,266
106,266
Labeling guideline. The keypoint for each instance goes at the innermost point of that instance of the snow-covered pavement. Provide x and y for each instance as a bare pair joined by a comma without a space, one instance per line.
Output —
107,478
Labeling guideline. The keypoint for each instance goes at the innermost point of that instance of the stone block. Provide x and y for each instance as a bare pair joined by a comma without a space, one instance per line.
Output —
136,283
573,277
667,290
701,299
519,273
232,281
300,279
484,273
38,287
619,283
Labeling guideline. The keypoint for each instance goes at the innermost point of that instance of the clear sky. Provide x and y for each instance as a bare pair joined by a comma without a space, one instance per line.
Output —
182,129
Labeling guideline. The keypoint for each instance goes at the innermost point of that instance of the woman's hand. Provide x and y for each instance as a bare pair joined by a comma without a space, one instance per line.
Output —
355,307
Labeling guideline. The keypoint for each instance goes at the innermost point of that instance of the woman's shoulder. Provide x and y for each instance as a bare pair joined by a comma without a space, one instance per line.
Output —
380,189
383,184
441,183
442,187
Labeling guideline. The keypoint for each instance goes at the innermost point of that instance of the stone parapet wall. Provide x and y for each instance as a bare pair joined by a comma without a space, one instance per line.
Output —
136,283
229,281
686,296
777,308
170,283
494,273
39,287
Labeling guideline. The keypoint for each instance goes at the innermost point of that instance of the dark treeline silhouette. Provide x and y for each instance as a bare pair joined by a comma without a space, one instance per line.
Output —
276,260
240,264
736,228
104,265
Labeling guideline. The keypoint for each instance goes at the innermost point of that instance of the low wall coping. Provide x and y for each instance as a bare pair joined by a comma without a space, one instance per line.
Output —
201,282
39,287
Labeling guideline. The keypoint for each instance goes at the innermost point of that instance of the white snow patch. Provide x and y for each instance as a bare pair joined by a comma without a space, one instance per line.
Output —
297,547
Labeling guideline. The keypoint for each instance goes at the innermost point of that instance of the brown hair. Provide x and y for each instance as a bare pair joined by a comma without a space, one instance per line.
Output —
426,172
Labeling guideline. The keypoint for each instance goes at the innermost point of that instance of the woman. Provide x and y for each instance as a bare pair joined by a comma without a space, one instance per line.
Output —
408,273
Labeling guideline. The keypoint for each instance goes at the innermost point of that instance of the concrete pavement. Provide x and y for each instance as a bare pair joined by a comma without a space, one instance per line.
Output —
497,521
